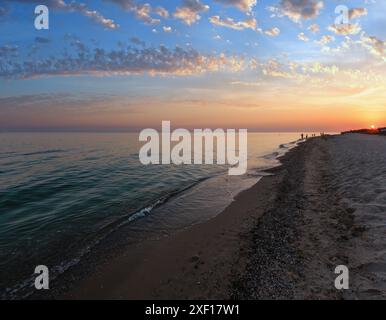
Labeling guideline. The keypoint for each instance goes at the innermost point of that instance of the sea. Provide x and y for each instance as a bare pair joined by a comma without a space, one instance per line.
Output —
64,194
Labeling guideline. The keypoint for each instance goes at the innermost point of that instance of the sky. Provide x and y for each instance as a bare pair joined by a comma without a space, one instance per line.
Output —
264,65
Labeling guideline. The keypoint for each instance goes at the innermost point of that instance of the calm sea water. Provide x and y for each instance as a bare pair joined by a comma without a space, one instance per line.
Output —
61,193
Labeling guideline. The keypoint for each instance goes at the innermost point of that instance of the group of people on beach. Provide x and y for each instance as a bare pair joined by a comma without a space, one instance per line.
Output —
313,135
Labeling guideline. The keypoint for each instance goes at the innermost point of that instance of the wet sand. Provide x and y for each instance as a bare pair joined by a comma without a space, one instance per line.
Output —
280,239
196,263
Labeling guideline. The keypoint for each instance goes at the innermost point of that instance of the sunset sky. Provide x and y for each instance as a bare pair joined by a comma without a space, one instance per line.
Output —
273,65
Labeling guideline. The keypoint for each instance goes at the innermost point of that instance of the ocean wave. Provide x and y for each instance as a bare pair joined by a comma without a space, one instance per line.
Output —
24,288
43,152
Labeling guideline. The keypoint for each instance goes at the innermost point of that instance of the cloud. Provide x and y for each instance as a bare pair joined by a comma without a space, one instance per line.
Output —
273,32
357,12
189,12
3,11
41,111
7,51
142,11
319,74
374,45
42,40
314,28
353,49
76,7
94,15
54,4
42,100
122,61
345,29
246,83
237,25
162,12
243,5
273,68
303,37
298,10
137,41
325,40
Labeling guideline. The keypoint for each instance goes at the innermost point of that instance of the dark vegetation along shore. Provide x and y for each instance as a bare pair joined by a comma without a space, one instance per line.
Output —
380,131
280,239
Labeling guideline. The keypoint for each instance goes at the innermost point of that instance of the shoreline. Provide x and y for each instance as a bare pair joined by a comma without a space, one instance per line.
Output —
280,239
181,265
97,225
118,240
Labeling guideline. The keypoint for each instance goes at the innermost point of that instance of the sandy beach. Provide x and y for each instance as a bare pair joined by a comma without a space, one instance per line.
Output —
192,150
280,239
